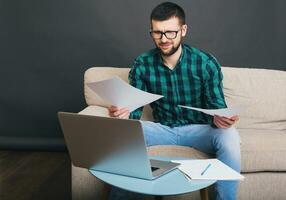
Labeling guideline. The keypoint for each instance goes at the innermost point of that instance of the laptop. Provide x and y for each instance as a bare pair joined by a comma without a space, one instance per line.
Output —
110,145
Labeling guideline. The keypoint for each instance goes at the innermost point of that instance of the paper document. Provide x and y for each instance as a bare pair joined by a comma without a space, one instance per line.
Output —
207,169
223,112
95,111
118,93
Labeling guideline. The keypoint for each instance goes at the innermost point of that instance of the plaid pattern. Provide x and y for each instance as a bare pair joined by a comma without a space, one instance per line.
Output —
195,81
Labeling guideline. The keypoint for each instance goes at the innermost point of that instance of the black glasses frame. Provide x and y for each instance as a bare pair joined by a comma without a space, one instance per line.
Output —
164,33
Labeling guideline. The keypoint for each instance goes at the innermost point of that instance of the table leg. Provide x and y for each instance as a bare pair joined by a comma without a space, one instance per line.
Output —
204,194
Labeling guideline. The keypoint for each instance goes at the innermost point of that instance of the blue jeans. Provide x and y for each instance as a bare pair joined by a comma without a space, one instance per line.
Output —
224,144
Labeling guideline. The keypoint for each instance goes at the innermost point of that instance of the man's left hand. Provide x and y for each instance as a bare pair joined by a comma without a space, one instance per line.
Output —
224,122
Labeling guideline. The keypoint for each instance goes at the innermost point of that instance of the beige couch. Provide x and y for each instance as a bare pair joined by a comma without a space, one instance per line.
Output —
262,127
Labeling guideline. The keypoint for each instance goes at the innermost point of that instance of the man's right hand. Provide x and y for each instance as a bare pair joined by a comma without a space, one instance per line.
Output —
122,113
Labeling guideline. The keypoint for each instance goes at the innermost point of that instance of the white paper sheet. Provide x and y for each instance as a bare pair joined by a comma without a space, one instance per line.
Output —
95,111
223,112
119,93
216,171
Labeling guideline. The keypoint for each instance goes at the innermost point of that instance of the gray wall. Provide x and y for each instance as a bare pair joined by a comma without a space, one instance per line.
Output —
45,47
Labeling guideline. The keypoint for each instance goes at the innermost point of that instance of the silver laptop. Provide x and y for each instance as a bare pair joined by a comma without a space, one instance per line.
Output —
110,145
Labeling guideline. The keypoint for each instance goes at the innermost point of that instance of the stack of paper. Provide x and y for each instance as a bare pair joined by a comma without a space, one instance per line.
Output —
118,93
207,169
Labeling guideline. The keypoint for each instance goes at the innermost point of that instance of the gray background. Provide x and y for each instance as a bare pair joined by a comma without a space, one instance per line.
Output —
45,47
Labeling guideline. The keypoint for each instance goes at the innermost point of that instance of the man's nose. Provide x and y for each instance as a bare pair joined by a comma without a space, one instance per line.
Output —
163,38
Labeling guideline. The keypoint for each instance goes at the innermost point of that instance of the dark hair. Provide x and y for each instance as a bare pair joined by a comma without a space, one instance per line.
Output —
166,10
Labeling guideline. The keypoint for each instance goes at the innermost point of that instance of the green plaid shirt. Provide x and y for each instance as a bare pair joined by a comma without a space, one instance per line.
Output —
195,81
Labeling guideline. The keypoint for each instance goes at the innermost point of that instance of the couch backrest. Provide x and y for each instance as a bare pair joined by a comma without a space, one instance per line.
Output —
262,92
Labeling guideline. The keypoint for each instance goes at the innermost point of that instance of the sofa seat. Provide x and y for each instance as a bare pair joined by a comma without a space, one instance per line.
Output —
263,150
258,152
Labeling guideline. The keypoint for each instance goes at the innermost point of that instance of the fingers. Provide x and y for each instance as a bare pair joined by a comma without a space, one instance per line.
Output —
226,120
235,118
223,122
113,109
220,123
122,113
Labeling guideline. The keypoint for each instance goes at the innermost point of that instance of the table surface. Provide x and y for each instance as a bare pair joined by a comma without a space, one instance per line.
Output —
172,183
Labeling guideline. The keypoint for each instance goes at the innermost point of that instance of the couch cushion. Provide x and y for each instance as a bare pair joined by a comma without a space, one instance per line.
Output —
263,150
175,151
262,92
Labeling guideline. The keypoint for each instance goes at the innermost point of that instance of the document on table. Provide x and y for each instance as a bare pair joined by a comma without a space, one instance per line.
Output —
207,169
223,112
118,93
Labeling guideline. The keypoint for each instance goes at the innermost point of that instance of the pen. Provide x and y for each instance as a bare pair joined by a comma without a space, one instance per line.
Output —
206,169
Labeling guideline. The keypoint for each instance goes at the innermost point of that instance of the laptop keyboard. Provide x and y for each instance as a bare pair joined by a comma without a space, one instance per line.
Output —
154,168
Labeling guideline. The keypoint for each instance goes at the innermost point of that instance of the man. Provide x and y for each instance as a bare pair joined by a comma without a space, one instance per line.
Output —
184,76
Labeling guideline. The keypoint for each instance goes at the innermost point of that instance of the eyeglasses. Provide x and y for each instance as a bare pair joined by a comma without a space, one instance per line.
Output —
168,34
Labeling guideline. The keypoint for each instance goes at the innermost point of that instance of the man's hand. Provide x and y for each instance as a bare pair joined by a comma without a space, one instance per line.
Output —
223,122
122,113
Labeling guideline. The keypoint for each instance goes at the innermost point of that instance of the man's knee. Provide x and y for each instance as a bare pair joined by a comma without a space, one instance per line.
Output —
227,136
227,140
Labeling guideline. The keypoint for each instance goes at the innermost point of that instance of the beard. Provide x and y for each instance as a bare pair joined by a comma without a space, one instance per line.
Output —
173,50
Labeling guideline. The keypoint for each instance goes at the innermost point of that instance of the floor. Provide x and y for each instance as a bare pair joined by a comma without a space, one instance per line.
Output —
34,175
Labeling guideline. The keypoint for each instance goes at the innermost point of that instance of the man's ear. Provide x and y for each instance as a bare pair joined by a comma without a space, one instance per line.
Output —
184,30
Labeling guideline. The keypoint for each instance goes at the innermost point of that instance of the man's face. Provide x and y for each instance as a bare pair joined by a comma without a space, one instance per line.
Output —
168,46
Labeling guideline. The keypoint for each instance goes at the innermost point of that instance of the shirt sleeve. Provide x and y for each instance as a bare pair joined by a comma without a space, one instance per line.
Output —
135,79
214,96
